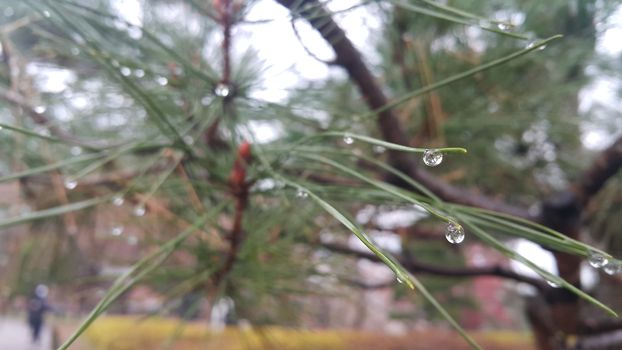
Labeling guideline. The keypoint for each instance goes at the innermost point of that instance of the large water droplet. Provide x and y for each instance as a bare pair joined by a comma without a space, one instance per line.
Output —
139,73
302,194
117,200
126,71
139,210
116,230
597,260
162,81
432,157
612,268
70,183
222,90
347,139
454,233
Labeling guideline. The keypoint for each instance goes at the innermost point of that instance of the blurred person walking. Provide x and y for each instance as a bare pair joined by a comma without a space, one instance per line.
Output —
37,307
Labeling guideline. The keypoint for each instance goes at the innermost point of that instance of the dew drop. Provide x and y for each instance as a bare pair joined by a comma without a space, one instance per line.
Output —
115,63
347,139
454,233
40,109
379,149
75,150
9,12
222,90
116,230
188,140
47,14
206,101
532,44
162,81
302,194
503,26
70,183
553,284
117,200
612,268
75,51
139,73
139,210
484,23
432,157
126,71
597,260
399,280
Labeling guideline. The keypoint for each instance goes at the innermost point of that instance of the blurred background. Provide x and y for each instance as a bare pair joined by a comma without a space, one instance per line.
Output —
155,141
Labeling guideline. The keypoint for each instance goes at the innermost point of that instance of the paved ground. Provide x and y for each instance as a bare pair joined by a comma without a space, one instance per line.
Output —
15,335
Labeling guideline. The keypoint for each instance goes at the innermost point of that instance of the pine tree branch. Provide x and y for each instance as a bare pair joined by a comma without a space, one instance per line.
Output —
350,59
606,165
419,267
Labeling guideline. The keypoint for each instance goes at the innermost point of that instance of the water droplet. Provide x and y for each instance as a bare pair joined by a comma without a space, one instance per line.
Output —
612,268
70,183
454,233
139,73
222,90
553,284
188,140
75,51
1,127
126,71
139,210
115,63
135,32
162,81
347,139
47,14
503,26
432,157
206,101
302,194
40,109
117,200
379,149
597,260
116,230
399,280
532,44
75,150
9,12
484,23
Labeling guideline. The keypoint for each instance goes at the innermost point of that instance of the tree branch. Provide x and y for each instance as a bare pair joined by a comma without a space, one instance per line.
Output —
419,267
603,168
348,57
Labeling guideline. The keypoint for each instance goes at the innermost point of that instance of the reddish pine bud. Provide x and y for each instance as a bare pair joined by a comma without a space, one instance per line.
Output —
244,151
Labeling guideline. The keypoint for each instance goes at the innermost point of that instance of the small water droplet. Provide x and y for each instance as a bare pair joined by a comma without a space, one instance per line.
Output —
597,260
47,14
126,71
116,230
206,101
222,90
399,280
139,210
75,150
484,23
75,51
117,200
503,26
347,139
70,183
115,63
188,140
379,149
135,32
553,284
40,109
454,233
302,194
612,268
9,12
432,157
162,81
139,73
532,44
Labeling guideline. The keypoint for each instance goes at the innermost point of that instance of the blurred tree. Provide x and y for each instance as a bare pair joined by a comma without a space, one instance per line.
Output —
114,112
